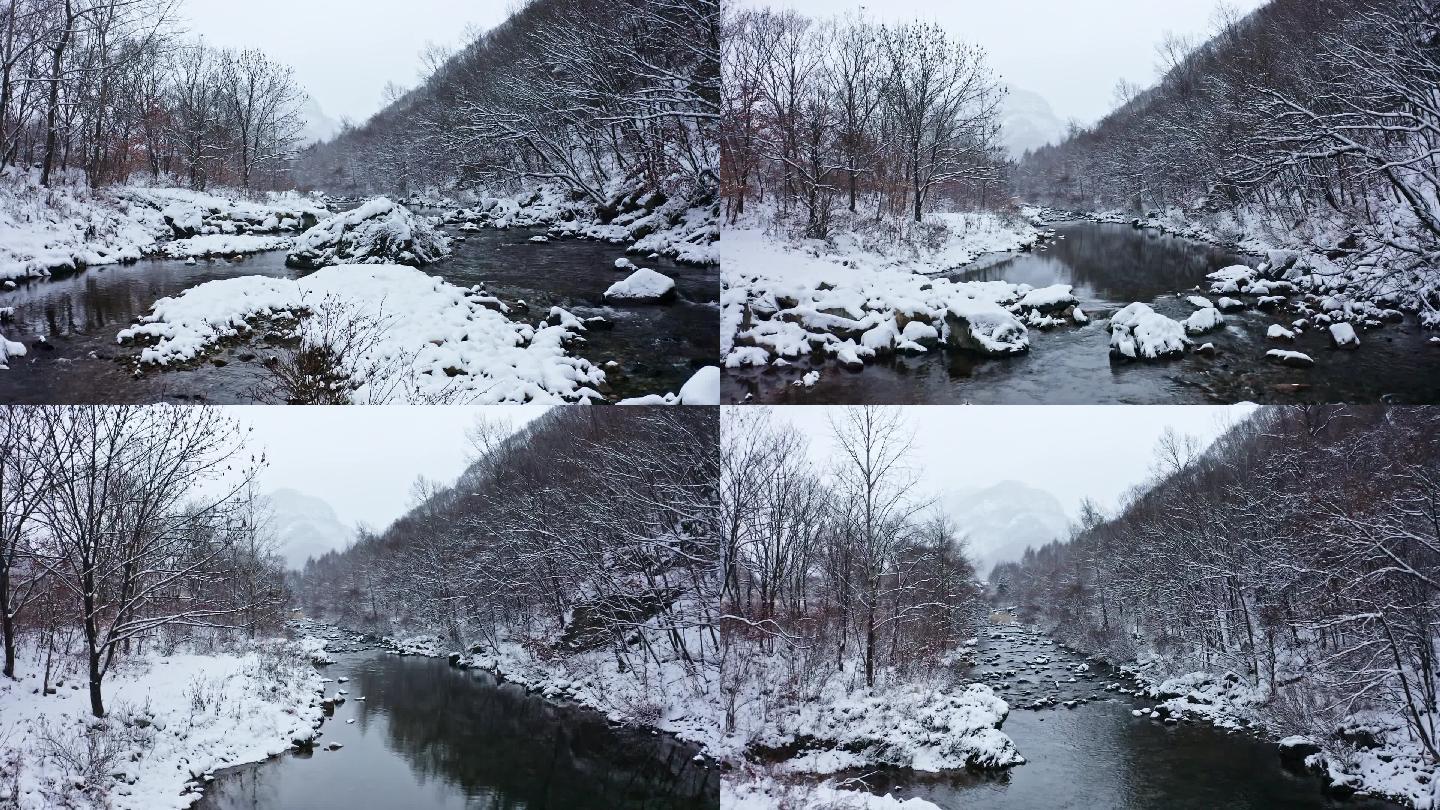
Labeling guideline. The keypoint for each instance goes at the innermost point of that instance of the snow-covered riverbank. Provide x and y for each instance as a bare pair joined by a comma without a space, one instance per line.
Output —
852,300
683,226
672,696
1370,752
1331,276
68,227
173,720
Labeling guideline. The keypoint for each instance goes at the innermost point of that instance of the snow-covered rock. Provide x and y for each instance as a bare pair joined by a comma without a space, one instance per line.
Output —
1233,279
1138,332
1342,336
1204,320
703,388
1289,358
9,349
1278,332
378,232
644,286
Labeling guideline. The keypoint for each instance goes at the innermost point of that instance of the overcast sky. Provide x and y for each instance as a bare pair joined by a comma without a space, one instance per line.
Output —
343,51
1071,52
1071,451
362,460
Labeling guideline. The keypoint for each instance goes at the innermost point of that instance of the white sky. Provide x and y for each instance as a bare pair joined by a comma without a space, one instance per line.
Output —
1071,451
363,459
1071,52
343,51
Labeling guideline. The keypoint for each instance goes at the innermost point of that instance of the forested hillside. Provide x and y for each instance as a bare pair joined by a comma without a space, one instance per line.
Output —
590,96
1307,124
584,544
1287,576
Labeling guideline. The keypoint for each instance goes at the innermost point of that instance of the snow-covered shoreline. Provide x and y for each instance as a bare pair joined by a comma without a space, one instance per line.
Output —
70,227
1367,755
782,301
431,339
684,227
683,708
173,721
1325,284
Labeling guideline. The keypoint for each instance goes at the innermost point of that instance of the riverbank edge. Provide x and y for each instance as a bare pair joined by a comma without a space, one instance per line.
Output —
844,300
1235,718
556,692
142,724
1176,222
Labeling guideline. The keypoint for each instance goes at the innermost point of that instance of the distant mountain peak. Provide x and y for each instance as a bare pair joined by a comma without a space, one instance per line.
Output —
1003,519
305,526
1027,122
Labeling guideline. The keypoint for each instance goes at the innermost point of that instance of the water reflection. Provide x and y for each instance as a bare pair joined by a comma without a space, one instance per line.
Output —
429,736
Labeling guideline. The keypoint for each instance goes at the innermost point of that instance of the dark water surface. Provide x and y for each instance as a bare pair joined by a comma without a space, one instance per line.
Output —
1100,756
1111,266
657,347
429,736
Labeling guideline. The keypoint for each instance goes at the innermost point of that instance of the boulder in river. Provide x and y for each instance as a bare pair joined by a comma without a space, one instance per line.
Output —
1294,749
644,286
378,232
1138,332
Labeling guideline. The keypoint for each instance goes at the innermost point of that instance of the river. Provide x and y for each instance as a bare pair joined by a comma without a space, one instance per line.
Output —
1098,755
1111,266
656,347
428,736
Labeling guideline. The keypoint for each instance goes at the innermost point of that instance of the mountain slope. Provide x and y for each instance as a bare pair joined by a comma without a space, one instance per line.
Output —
1027,123
1002,520
305,526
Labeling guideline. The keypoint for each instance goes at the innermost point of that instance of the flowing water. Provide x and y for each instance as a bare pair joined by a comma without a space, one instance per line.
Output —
1098,754
429,736
1111,266
656,347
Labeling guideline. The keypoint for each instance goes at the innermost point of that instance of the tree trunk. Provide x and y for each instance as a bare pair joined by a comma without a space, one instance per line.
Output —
56,64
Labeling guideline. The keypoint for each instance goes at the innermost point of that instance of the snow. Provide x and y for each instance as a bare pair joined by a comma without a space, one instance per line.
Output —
378,232
642,286
752,789
703,388
1139,332
222,245
1048,299
9,349
1278,332
1343,336
431,340
70,226
683,226
929,727
1204,320
173,720
790,299
1290,358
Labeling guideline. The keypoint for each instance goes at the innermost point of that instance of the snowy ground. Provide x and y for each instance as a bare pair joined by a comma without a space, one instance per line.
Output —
782,300
423,339
66,227
173,720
